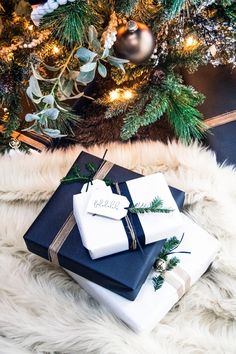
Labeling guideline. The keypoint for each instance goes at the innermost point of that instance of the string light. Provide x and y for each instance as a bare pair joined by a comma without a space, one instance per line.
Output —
114,95
121,95
56,50
191,42
128,95
30,27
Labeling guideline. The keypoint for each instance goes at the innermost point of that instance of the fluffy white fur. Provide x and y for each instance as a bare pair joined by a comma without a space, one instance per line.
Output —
43,311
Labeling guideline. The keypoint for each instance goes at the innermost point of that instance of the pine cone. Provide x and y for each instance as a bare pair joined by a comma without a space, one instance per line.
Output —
157,77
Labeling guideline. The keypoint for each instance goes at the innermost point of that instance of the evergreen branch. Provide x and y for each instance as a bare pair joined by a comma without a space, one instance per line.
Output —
152,112
157,282
69,22
156,206
169,245
172,263
173,7
125,7
76,175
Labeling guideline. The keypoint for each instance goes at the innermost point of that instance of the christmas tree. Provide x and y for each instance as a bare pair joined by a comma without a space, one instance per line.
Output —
53,51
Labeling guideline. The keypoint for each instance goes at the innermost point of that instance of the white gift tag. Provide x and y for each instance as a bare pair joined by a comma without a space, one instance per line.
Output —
105,203
95,185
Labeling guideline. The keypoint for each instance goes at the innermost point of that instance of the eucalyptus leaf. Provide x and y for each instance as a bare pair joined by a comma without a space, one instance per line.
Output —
86,77
49,99
39,77
85,55
34,87
93,38
31,96
112,59
68,88
53,133
105,53
51,113
88,67
75,96
52,68
102,69
30,117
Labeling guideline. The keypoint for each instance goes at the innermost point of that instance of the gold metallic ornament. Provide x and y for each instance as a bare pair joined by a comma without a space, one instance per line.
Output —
135,42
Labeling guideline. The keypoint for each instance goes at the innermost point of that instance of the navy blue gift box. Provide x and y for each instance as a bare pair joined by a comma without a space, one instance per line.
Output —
123,273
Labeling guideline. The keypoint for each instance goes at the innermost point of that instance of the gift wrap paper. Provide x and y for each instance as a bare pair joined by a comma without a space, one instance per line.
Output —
104,236
123,273
151,306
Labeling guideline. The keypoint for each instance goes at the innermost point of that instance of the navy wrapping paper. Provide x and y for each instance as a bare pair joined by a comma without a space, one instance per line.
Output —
123,273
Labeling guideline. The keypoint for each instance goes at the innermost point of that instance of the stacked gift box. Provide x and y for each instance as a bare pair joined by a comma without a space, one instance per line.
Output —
112,256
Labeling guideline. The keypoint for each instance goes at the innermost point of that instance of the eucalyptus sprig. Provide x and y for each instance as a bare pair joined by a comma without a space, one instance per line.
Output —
156,206
94,57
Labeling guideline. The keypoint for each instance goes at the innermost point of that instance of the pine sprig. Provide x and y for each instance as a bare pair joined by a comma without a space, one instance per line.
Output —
169,245
172,263
76,175
125,7
69,22
157,282
173,7
156,206
173,98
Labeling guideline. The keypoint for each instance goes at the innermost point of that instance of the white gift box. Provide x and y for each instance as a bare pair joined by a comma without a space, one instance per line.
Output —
104,236
151,306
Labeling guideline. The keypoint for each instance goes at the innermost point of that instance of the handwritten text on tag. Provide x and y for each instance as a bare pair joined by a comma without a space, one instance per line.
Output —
107,204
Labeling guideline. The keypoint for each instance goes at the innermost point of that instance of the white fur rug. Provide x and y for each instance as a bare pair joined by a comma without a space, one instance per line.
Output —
43,311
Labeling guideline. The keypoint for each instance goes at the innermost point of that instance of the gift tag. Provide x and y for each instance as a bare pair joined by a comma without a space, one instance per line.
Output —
96,184
107,204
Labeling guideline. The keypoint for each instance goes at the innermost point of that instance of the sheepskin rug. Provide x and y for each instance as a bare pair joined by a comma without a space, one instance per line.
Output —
42,310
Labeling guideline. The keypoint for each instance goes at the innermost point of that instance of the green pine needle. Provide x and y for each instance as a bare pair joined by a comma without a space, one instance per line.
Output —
125,7
69,22
157,282
173,7
76,175
168,247
172,263
173,98
156,206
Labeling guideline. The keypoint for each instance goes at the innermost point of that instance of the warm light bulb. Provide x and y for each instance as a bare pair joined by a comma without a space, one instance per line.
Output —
30,28
56,50
127,95
114,95
190,42
5,109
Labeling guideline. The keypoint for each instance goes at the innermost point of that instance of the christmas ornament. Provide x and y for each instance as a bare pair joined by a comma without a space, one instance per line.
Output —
160,265
157,77
135,42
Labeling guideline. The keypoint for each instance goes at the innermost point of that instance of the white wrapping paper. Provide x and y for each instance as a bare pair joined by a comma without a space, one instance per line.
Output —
151,306
103,236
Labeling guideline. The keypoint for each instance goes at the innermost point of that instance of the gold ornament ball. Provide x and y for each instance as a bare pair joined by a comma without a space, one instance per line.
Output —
135,42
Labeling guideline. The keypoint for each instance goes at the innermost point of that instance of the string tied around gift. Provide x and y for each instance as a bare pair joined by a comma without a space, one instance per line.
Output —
163,265
76,176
